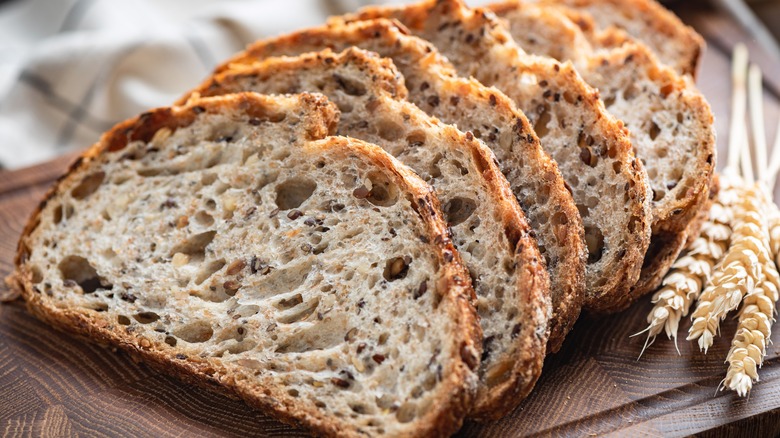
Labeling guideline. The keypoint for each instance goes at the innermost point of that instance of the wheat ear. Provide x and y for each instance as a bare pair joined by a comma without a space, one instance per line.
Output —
741,269
748,348
682,286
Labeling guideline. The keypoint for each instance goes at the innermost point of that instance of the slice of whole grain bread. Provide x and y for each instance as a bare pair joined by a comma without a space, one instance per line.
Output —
231,243
670,122
489,115
591,147
488,226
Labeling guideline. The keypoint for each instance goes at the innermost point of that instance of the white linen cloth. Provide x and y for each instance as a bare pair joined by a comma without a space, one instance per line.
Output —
70,69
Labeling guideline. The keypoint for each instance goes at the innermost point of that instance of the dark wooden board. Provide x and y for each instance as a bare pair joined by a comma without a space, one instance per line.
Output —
52,384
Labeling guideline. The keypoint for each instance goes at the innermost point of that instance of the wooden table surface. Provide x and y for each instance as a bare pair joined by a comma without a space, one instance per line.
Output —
54,385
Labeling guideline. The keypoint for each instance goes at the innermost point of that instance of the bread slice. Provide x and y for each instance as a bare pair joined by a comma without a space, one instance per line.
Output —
670,122
223,243
488,227
677,45
607,182
490,116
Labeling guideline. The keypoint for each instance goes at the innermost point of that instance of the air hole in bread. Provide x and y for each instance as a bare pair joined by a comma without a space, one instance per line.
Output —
123,320
616,166
292,193
609,101
595,241
208,178
435,171
37,275
300,312
220,187
458,209
88,185
662,152
416,138
543,118
633,223
396,268
389,130
406,413
588,157
146,317
560,218
349,85
653,131
77,271
378,190
195,246
246,310
631,92
461,168
64,211
204,219
584,212
194,332
682,191
210,204
289,302
149,172
208,270
238,347
658,195
170,340
98,306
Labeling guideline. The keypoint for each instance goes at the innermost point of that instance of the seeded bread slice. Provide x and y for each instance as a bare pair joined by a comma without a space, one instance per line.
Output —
670,122
677,45
601,170
221,242
489,115
489,229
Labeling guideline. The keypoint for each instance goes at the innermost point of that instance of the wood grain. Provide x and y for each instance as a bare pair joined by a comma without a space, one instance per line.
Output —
52,384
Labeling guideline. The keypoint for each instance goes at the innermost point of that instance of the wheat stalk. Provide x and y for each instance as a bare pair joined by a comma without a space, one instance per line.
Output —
745,264
682,286
754,329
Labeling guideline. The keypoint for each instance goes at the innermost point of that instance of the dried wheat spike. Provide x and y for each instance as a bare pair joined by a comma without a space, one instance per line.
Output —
756,317
690,273
745,264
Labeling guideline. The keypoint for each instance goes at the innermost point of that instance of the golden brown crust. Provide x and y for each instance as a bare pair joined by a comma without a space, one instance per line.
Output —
457,397
532,284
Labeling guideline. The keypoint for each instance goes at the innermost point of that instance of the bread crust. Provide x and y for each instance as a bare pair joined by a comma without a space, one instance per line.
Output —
432,78
456,398
532,282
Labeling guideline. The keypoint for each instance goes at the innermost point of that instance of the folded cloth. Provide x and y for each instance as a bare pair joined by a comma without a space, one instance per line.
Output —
70,69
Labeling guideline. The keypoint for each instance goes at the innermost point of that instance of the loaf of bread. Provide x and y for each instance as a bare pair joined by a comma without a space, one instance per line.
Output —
488,227
490,116
232,243
564,111
670,123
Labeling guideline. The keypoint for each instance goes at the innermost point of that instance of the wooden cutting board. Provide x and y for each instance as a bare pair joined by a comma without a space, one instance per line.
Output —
54,385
